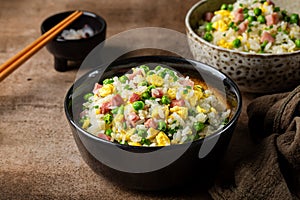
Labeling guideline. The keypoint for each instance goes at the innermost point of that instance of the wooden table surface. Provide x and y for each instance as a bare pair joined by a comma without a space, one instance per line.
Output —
38,156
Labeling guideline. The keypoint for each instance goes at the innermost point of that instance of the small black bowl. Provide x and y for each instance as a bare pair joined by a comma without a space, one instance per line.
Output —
154,168
74,50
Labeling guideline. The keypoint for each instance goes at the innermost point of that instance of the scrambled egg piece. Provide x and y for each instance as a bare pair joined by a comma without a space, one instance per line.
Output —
134,143
172,93
86,123
152,133
194,99
162,139
106,90
181,111
225,44
97,111
220,25
156,80
224,13
201,110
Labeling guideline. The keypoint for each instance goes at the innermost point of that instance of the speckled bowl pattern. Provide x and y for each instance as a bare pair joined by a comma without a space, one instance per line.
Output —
259,73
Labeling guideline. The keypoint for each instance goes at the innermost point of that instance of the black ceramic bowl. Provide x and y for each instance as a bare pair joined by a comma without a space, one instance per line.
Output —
154,168
74,50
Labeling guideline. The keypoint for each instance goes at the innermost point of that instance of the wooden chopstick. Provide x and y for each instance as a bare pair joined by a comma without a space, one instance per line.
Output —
13,63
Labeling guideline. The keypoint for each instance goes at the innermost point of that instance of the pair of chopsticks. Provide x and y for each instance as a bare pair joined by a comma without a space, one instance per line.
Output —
13,63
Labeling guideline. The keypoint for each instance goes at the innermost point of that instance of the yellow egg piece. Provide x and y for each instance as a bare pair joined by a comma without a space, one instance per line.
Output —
106,90
86,123
162,139
151,133
156,80
134,143
172,93
201,110
181,111
220,25
222,13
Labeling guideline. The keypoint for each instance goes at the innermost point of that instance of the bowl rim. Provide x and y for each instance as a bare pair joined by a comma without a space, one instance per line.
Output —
84,13
189,30
167,59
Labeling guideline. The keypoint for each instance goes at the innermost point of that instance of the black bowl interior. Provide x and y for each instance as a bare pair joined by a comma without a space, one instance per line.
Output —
74,50
89,145
96,22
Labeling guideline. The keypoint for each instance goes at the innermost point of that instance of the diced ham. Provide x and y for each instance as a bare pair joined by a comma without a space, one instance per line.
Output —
105,107
134,74
266,36
117,100
270,2
151,123
187,82
103,136
134,97
208,16
238,15
96,88
272,18
243,26
157,93
177,103
132,118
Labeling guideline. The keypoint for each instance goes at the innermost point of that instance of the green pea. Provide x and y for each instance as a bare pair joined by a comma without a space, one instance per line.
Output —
162,126
230,7
142,133
191,112
108,132
198,126
261,19
157,68
236,43
145,68
297,42
123,79
208,37
87,96
145,141
115,110
165,100
245,10
162,74
294,18
150,88
251,19
276,9
121,109
231,24
150,73
263,45
138,105
223,7
145,95
127,87
108,81
257,11
108,118
208,26
143,83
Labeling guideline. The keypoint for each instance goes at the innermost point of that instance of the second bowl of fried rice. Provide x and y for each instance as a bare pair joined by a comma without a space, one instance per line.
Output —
255,42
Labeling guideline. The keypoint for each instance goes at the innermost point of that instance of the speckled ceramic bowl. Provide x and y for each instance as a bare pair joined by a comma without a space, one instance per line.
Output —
259,73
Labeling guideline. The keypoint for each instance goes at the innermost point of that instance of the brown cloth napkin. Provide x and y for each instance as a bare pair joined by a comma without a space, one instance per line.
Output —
272,169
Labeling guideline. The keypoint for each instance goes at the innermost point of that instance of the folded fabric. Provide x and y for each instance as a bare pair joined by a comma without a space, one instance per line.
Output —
272,169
